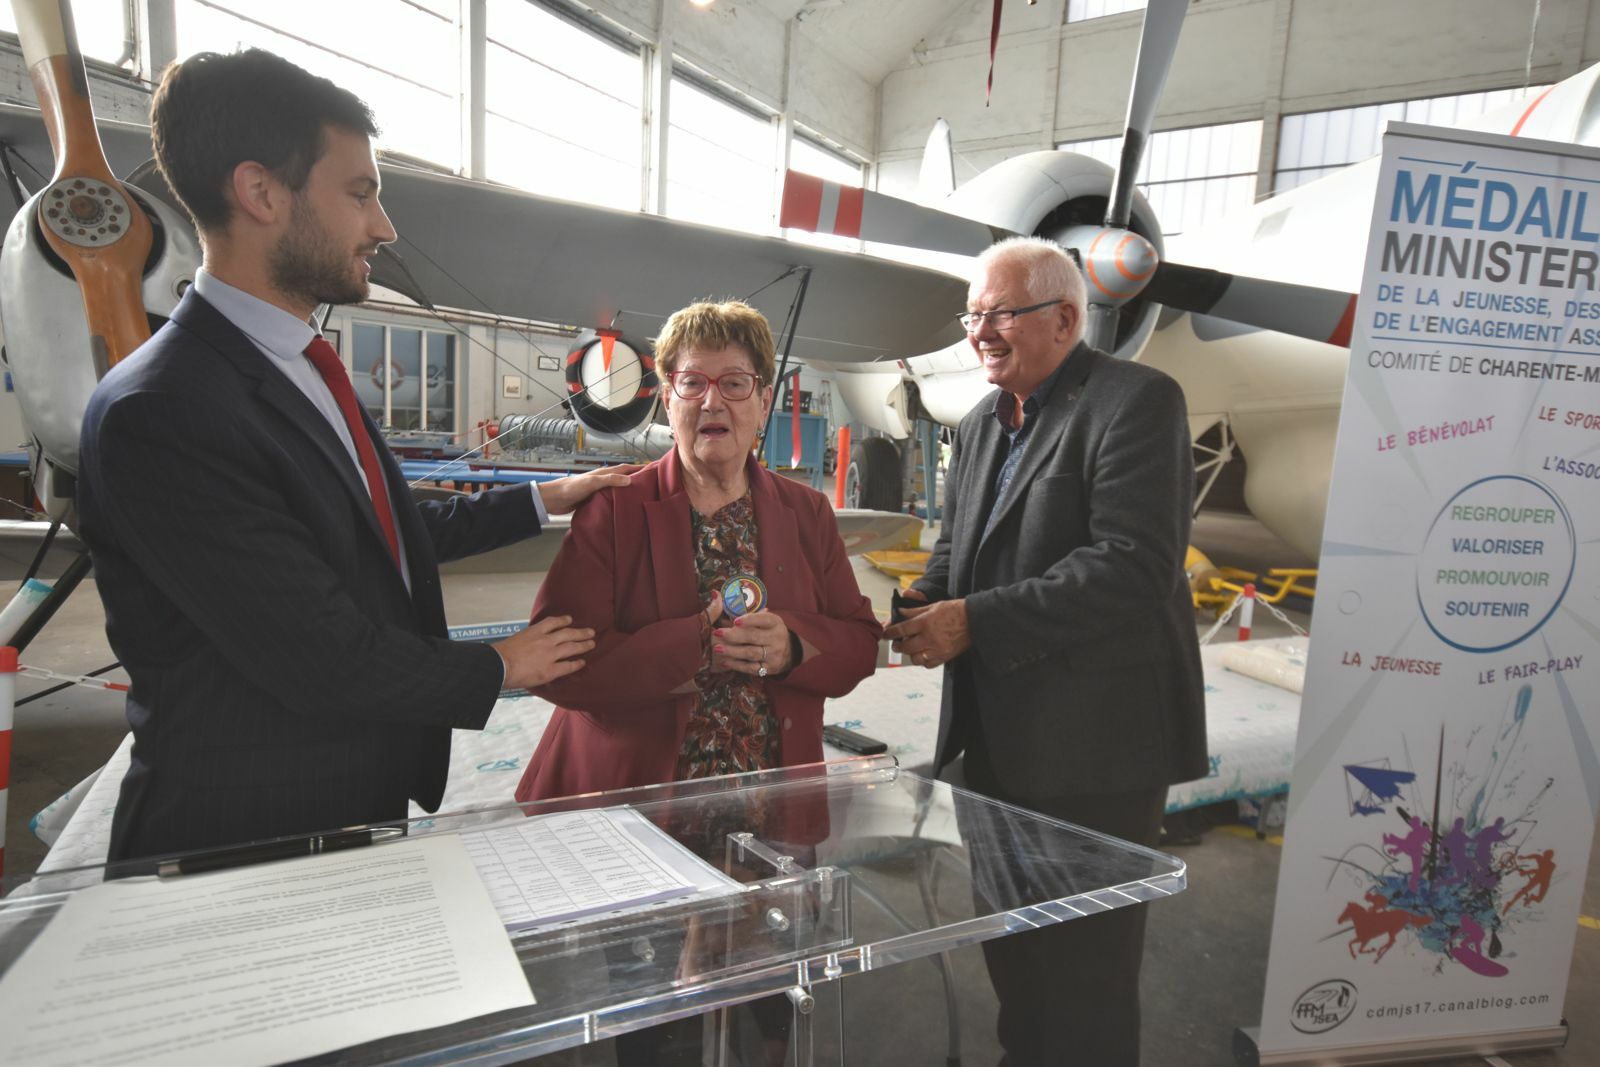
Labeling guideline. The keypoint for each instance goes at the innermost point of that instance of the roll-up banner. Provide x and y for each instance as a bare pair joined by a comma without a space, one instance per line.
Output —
1446,779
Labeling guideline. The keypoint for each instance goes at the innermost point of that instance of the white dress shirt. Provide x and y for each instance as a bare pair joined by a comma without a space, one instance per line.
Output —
282,338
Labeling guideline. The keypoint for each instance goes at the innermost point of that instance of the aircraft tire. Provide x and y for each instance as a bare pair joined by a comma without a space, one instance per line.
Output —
873,480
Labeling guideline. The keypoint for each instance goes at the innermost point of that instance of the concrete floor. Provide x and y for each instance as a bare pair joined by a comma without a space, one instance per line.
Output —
1206,951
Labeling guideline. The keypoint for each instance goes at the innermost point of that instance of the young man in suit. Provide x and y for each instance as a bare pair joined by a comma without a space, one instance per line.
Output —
269,584
1061,617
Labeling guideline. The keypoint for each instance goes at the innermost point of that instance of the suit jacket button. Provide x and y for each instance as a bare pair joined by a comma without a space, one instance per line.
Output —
787,723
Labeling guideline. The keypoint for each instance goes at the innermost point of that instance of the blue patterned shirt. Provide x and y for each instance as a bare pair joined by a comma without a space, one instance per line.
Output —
1017,439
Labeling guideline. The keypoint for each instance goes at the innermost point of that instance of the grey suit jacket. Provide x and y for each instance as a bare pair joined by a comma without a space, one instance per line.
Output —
1084,669
283,679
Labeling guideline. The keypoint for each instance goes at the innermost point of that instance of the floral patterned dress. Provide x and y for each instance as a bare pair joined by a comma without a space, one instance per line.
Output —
731,727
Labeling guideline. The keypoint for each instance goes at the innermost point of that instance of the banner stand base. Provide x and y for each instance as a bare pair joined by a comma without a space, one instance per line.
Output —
1246,1052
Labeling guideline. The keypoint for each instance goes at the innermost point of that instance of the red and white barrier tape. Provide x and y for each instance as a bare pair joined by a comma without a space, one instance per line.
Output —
9,669
75,679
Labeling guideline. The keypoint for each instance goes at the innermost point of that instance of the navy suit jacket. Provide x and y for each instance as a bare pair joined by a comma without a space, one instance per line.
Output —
283,680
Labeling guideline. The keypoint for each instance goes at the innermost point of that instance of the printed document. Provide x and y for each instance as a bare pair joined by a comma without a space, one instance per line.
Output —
262,964
568,865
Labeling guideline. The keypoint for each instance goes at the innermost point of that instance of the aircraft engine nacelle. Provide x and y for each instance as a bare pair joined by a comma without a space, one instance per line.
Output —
1062,195
48,350
612,382
874,395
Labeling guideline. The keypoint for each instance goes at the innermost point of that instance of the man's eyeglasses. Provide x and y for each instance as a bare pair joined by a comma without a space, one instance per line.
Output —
1000,319
692,385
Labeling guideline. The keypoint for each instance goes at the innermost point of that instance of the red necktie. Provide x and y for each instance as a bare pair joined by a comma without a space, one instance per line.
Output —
331,367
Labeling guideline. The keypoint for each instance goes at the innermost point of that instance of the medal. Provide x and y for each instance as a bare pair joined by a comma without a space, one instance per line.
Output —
743,594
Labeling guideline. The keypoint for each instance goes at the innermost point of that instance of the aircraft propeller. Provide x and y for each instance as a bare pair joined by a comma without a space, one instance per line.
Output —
85,214
1120,264
1158,42
1316,314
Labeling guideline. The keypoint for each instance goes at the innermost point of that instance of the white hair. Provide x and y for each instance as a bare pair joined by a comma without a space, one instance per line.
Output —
1052,272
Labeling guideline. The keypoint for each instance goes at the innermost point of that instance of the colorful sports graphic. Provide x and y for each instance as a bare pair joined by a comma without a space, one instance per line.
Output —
1446,778
1454,873
743,594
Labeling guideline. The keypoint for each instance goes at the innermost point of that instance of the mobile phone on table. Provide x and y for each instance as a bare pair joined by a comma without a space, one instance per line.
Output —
850,741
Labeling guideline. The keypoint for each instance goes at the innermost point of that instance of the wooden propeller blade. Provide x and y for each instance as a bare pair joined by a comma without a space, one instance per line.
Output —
88,218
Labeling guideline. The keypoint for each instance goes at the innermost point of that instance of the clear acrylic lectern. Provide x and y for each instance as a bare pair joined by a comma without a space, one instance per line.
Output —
843,868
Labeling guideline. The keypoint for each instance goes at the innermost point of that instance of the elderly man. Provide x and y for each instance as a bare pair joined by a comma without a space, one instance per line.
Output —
1060,614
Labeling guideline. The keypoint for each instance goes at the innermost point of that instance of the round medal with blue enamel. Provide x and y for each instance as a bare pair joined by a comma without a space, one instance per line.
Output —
743,594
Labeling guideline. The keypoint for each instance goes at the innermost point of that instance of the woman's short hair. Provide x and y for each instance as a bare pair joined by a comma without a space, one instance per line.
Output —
711,326
213,112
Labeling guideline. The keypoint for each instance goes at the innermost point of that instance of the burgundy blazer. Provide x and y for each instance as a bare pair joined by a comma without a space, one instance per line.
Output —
627,569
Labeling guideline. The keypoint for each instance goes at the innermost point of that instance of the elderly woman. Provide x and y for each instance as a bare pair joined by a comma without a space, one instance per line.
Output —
675,687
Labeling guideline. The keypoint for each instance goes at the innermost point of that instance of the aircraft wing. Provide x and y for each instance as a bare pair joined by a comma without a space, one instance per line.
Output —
486,247
490,248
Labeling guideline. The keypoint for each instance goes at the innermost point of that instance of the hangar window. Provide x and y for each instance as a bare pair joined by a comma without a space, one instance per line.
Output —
416,111
101,24
1079,10
562,107
1190,176
1320,142
814,157
405,377
720,154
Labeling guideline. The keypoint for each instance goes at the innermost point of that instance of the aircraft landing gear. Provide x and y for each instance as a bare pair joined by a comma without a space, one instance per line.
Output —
873,478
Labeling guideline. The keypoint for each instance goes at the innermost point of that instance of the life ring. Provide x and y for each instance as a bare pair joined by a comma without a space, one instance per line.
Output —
615,417
377,375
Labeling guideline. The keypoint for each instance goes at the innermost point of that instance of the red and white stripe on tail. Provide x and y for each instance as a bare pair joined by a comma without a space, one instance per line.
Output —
820,206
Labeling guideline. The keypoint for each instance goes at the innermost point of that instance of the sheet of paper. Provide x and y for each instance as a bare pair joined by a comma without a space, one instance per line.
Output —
262,964
567,865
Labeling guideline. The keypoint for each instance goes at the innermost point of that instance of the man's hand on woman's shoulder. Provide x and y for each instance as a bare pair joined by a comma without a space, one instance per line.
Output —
565,494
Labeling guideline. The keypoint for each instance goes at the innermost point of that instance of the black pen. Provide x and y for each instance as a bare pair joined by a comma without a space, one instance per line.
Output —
243,856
